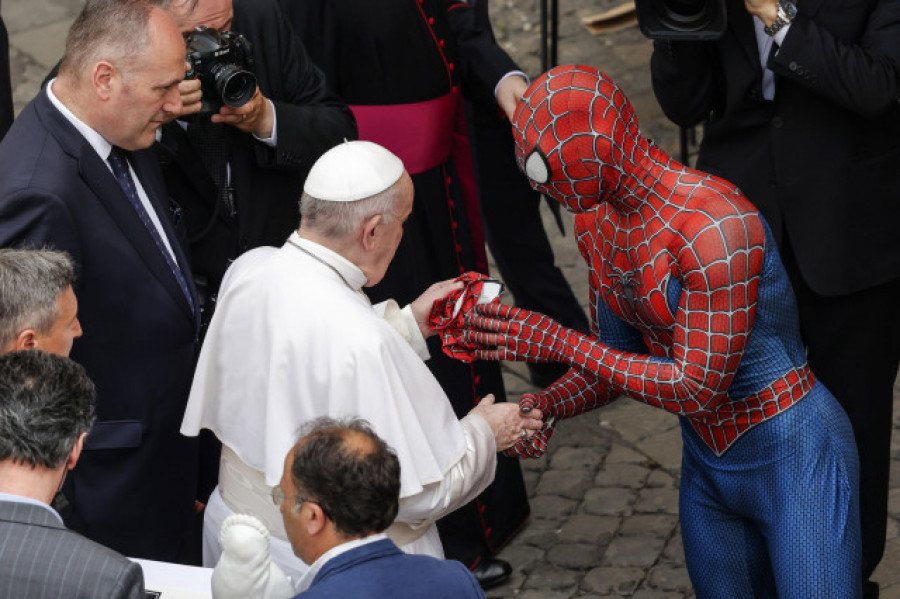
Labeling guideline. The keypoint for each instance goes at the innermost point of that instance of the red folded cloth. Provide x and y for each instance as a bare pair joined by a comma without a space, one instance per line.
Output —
447,314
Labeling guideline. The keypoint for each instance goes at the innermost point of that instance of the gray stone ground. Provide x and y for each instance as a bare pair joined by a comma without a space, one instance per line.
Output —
605,497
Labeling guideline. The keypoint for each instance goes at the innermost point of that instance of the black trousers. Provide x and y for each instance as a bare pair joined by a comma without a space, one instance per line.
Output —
853,344
514,229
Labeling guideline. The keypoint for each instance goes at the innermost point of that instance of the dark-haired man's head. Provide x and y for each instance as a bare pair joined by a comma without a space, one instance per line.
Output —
341,482
46,409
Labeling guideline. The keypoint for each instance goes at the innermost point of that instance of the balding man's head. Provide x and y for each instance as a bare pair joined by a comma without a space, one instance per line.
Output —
350,472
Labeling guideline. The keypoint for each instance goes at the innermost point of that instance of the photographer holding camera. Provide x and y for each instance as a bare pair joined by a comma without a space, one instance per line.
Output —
238,170
800,108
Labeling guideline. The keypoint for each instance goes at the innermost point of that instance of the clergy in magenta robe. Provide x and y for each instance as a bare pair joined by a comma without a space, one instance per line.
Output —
294,338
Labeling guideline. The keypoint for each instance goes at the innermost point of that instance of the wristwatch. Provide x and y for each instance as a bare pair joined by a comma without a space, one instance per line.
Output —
785,14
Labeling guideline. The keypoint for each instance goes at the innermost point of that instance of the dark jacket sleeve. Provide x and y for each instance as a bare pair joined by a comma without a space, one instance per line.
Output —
482,62
861,74
310,119
851,58
130,585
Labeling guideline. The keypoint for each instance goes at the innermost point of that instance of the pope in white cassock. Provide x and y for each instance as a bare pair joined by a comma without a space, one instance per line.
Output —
294,338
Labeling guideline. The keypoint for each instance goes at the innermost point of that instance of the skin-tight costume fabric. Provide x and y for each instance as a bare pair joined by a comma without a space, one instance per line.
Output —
692,313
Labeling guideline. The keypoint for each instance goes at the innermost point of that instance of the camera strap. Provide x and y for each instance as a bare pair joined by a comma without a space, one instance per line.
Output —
210,141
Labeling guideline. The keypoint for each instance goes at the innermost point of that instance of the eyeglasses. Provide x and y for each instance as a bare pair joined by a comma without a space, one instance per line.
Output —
278,496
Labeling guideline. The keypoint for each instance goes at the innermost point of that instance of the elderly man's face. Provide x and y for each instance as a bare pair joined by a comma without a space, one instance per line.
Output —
215,14
390,233
65,330
144,94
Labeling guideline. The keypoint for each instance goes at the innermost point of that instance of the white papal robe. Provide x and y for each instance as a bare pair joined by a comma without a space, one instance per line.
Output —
294,338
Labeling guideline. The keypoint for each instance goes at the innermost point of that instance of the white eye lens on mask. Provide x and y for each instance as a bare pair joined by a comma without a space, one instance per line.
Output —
536,167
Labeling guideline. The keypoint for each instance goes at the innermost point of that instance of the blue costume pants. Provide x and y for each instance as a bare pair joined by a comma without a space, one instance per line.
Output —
777,514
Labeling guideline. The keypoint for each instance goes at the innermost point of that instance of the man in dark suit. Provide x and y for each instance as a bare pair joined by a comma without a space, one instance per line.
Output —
46,410
246,192
800,106
339,492
77,177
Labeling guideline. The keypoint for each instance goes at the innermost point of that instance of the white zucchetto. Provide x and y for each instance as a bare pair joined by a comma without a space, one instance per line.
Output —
353,170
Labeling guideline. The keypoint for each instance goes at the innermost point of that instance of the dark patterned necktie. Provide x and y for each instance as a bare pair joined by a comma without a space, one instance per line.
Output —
211,144
118,160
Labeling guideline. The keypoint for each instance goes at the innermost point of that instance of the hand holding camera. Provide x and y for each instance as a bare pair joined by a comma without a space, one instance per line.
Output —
220,84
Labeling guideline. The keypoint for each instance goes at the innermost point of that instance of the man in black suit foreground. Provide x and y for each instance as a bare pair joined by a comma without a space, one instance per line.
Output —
46,410
77,177
800,105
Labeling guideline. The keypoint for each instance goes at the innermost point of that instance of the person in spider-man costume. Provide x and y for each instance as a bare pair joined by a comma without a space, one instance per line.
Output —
692,313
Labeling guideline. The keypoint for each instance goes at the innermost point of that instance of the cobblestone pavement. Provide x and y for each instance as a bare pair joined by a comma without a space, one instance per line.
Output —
605,497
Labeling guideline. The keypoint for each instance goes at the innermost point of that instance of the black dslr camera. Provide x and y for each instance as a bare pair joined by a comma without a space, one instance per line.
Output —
223,63
699,20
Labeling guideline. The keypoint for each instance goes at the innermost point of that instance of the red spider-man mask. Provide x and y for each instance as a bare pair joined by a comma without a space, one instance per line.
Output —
576,136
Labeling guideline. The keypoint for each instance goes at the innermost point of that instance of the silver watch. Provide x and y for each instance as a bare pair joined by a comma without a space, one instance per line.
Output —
785,14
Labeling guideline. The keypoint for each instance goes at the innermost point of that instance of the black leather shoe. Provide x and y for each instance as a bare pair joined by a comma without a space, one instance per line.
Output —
870,589
491,572
544,374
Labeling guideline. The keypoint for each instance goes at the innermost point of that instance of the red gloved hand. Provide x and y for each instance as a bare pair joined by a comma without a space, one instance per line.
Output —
505,333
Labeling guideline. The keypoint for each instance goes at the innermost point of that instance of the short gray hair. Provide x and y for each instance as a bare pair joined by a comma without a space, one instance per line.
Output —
31,282
46,402
337,220
113,30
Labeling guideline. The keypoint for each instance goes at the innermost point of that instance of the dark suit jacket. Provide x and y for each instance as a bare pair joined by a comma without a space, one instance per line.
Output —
821,161
39,557
267,182
381,570
134,486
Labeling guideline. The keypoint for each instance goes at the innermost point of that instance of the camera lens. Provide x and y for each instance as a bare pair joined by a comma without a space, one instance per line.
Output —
234,86
682,19
684,14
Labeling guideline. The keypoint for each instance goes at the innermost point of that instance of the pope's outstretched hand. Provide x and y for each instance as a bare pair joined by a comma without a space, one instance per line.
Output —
509,424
